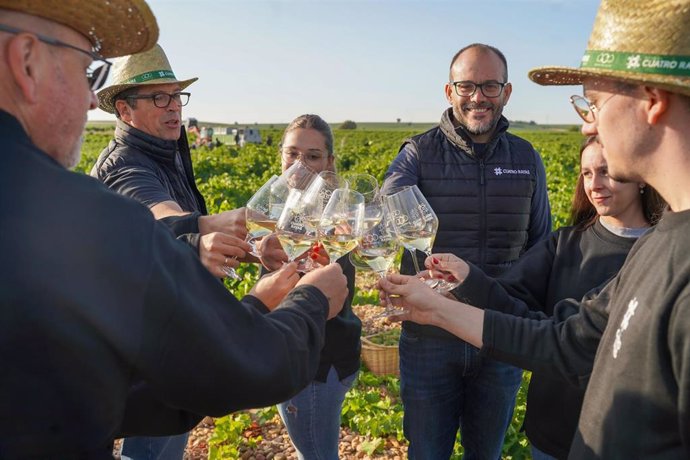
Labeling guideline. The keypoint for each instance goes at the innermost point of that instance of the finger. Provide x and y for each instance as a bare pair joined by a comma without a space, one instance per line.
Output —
397,278
288,270
389,287
217,272
233,241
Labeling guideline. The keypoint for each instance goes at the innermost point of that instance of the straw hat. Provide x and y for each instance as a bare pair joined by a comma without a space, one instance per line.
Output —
640,41
149,68
114,27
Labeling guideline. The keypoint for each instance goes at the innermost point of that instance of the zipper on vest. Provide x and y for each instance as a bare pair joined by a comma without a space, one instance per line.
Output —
482,217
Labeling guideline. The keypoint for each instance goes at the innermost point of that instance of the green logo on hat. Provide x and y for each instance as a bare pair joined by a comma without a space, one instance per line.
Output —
678,66
148,76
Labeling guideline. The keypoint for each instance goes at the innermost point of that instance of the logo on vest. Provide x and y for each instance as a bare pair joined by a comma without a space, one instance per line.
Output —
500,171
630,312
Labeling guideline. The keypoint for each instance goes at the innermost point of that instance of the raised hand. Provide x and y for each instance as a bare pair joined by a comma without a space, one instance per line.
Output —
331,281
231,222
273,287
219,251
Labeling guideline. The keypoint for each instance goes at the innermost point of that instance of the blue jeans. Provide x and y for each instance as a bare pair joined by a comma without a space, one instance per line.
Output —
312,418
445,385
155,447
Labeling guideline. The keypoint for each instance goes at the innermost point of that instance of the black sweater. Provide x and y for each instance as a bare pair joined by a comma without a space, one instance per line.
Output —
637,403
566,265
97,295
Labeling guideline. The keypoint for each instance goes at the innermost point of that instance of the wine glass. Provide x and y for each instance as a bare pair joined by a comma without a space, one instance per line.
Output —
295,233
413,229
416,225
340,226
315,198
378,248
261,216
429,215
368,186
298,176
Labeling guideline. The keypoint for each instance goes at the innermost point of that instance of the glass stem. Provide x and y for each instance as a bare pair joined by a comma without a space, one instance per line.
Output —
414,260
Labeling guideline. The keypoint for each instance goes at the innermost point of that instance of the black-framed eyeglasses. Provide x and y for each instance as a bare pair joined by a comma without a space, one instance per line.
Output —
163,100
96,73
586,109
467,88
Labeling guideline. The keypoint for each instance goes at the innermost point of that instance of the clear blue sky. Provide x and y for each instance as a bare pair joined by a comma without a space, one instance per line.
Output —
378,60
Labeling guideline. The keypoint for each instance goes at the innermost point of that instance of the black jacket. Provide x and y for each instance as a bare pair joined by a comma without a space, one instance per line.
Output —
630,342
140,166
566,265
96,295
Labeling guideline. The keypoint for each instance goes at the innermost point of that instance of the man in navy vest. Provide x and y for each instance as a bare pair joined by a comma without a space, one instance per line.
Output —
488,188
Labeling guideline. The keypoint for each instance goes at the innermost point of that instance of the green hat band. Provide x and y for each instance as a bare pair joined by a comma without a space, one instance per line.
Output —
148,76
659,64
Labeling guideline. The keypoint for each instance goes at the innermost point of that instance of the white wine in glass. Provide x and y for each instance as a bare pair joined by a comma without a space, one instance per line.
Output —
295,233
379,248
295,244
258,216
340,226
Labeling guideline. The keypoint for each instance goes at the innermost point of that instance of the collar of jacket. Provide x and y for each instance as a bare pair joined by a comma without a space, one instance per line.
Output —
461,138
160,149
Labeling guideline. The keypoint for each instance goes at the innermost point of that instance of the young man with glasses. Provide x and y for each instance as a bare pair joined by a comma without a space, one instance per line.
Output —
629,344
92,299
488,188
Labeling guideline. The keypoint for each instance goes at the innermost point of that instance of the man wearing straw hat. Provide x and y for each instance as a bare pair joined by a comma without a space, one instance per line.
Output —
630,343
149,159
636,80
91,300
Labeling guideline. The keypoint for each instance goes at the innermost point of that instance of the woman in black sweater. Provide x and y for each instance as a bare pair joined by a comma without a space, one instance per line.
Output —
608,217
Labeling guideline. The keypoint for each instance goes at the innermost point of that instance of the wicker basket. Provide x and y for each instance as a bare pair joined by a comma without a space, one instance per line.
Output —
380,359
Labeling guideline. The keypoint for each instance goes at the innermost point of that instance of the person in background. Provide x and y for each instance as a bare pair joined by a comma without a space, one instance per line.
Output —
488,188
312,417
96,295
608,216
149,159
630,341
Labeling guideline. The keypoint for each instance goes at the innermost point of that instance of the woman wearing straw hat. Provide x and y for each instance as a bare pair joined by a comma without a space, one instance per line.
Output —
630,342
